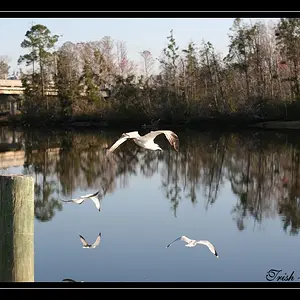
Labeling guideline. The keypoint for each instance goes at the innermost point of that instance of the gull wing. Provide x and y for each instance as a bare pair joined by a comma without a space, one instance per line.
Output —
90,195
120,141
96,201
83,241
97,241
170,135
173,242
68,280
66,200
185,239
77,200
210,246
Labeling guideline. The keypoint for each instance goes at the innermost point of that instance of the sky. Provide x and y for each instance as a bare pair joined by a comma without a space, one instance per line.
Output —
138,33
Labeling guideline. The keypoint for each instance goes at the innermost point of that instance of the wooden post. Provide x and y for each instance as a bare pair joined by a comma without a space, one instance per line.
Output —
16,228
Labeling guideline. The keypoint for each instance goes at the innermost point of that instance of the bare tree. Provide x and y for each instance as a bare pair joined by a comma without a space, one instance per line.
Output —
107,45
148,63
4,67
125,66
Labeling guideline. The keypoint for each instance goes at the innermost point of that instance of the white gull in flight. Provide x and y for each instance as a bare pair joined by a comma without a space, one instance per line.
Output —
94,197
147,141
192,243
87,245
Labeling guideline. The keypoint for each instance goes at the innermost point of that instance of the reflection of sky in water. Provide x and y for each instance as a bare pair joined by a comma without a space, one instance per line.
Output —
12,170
137,222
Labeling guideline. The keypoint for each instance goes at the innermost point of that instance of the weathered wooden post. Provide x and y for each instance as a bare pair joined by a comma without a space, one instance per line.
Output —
16,228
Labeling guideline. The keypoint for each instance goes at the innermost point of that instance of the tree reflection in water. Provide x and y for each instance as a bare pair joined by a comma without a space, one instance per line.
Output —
263,169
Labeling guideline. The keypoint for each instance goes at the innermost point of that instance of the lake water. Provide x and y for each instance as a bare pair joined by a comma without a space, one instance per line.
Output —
240,191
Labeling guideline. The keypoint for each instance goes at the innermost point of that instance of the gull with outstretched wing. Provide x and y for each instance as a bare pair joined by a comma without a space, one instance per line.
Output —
147,141
94,197
87,245
192,243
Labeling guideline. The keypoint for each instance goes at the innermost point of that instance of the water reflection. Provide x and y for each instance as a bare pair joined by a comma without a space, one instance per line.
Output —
261,167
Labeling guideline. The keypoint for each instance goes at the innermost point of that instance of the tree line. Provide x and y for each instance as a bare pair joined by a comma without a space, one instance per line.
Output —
257,79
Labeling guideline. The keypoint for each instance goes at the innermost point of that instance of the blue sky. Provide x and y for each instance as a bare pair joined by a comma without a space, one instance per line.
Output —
139,34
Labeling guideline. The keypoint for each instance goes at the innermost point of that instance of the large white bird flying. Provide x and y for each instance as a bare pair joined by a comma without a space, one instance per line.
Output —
87,245
94,197
147,141
192,243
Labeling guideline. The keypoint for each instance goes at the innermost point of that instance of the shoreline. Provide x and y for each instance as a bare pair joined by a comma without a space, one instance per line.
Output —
204,123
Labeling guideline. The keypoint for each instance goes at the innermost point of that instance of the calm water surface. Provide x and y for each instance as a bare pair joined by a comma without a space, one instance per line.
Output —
239,190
